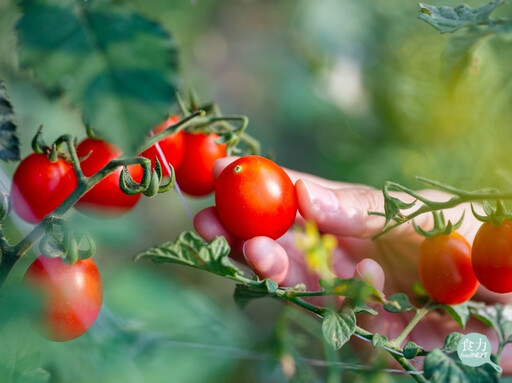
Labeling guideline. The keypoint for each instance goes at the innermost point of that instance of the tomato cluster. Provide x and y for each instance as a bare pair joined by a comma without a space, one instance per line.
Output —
450,269
72,294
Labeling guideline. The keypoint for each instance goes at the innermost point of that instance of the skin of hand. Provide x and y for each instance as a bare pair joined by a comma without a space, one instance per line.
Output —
389,263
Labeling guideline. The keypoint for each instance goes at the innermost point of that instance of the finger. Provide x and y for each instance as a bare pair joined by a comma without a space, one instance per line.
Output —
294,175
370,271
344,212
207,223
221,163
267,258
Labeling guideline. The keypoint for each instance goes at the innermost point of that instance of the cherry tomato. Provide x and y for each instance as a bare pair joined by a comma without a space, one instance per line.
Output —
195,175
40,186
444,265
71,296
106,196
173,146
255,197
492,256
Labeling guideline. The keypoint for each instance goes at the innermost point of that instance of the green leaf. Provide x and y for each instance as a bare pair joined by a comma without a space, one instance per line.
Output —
355,289
398,303
117,66
448,19
337,328
9,143
460,313
458,53
364,309
246,293
21,354
411,350
379,341
452,341
498,317
446,368
190,249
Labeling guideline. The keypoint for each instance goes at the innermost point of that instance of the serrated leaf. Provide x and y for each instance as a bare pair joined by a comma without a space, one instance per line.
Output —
354,289
498,317
460,313
117,66
445,368
411,350
190,249
398,303
337,328
9,143
448,19
246,293
452,341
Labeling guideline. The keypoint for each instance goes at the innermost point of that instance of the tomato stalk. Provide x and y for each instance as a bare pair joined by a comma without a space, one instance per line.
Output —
418,316
11,253
459,197
182,124
393,347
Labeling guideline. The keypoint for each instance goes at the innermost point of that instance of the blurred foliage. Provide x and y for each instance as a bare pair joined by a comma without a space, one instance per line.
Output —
348,90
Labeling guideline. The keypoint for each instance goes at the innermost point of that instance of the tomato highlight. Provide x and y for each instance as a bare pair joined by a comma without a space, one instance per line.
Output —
39,186
255,197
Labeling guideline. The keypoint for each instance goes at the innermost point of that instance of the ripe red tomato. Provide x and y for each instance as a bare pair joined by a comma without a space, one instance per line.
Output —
492,256
40,186
173,146
195,174
106,196
444,265
71,296
254,197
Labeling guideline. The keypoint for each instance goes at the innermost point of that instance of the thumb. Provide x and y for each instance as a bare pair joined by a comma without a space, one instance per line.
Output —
342,212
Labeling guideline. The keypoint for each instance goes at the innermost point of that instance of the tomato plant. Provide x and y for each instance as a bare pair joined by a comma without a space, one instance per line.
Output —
255,197
71,296
444,266
195,175
172,146
40,186
492,256
106,196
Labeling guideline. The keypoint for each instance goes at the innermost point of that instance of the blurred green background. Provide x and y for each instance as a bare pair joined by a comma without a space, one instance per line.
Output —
347,90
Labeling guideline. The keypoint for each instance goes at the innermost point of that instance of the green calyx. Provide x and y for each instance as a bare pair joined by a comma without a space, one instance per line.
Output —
440,225
494,214
59,242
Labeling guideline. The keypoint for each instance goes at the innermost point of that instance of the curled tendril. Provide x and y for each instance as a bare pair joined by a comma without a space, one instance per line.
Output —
151,183
59,242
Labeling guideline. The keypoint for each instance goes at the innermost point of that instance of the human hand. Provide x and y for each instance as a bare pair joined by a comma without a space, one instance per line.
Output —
389,263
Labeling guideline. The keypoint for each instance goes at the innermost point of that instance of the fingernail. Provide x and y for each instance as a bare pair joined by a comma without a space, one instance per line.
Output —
321,198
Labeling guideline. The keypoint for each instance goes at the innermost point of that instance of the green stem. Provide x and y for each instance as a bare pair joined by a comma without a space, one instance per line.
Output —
407,366
414,321
182,124
11,254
